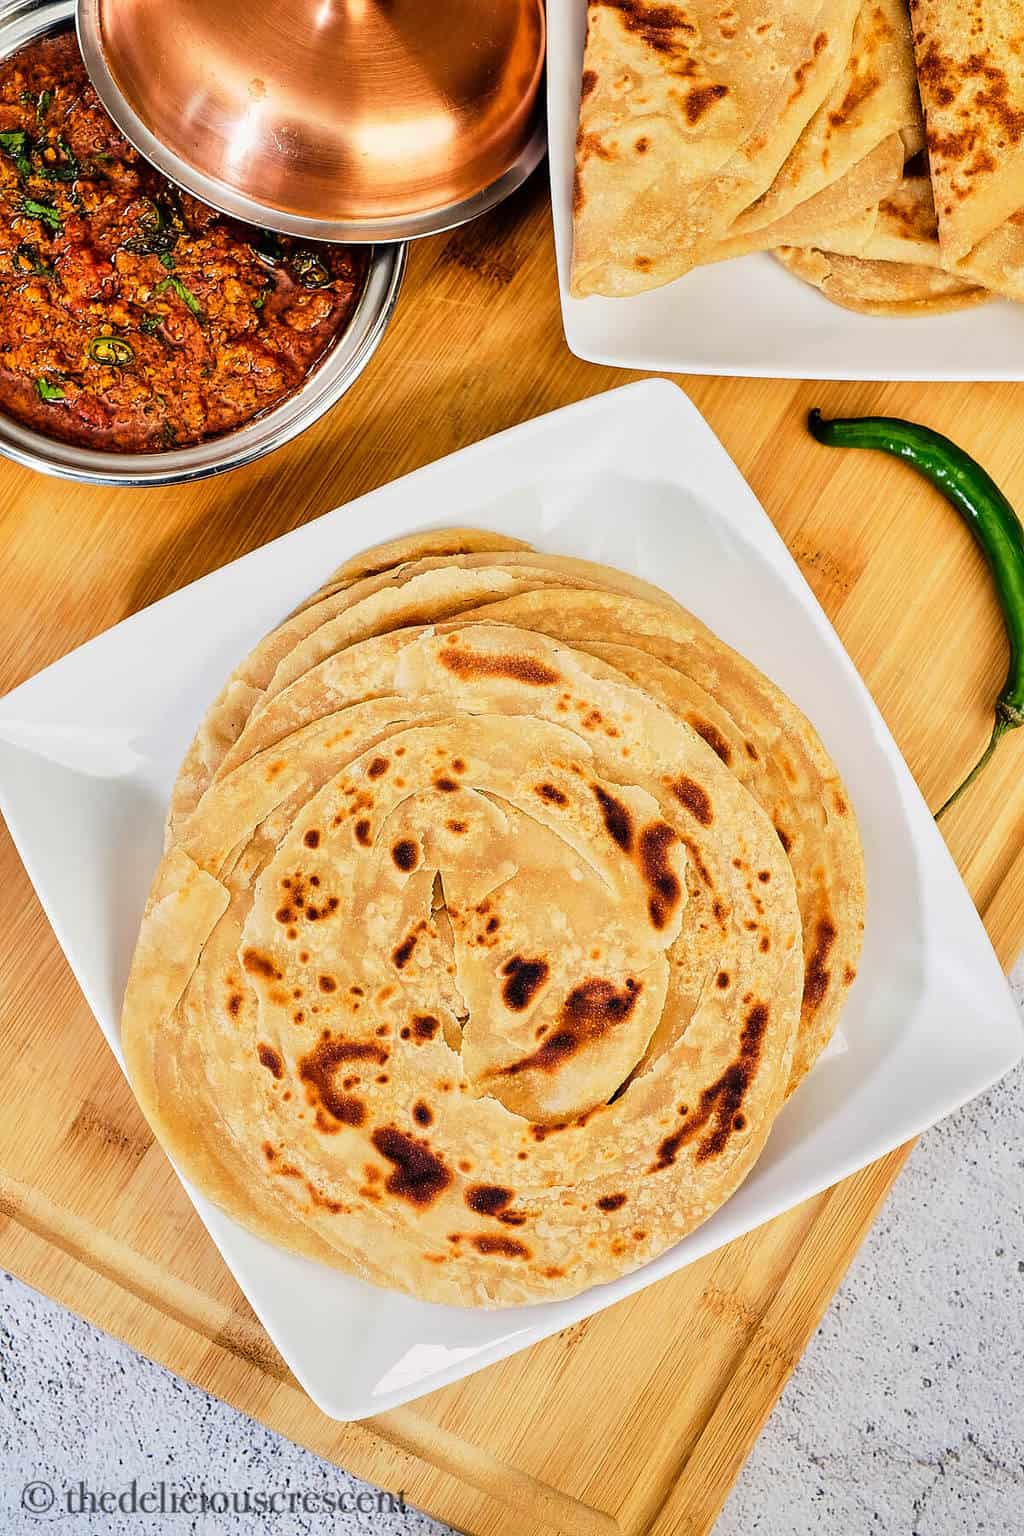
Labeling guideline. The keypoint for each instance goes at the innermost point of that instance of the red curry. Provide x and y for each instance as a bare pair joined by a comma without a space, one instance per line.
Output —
133,317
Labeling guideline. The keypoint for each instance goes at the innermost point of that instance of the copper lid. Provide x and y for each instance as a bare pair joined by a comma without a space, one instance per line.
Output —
337,119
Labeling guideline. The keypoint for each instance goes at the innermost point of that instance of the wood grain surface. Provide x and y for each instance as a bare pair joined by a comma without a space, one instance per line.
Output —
638,1420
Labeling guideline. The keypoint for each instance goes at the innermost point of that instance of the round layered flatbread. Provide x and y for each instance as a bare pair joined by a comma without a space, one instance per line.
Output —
485,987
502,906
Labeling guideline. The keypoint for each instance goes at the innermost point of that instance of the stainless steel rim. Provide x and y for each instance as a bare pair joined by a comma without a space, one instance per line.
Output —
228,200
331,377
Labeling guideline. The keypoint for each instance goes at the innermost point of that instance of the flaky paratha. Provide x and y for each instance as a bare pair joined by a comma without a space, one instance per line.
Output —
688,111
388,1000
886,288
493,938
970,65
874,98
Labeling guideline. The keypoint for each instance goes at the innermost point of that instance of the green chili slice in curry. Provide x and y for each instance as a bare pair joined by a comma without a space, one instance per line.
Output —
113,351
187,297
50,391
307,269
997,530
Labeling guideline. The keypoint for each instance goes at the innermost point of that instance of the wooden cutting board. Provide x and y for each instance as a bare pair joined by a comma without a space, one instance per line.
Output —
636,1421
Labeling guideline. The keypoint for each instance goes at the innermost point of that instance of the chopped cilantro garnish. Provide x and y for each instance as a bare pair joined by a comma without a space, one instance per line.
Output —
186,295
50,391
167,260
14,142
43,105
150,324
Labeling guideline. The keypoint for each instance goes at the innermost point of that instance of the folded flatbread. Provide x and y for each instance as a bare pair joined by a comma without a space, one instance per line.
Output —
970,63
688,112
881,287
874,98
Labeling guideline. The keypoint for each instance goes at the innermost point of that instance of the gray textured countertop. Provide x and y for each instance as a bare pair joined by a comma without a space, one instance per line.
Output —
905,1415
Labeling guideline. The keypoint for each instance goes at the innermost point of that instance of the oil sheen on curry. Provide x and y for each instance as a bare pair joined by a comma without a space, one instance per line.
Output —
134,318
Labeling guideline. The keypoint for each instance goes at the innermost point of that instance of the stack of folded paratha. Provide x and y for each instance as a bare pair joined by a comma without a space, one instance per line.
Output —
502,906
712,130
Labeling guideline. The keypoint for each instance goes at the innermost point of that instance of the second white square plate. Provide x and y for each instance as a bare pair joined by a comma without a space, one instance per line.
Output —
749,317
90,747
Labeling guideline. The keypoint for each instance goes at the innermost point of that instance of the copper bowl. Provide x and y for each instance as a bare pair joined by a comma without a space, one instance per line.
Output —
331,119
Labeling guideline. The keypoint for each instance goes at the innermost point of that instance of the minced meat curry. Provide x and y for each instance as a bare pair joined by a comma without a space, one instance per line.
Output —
133,317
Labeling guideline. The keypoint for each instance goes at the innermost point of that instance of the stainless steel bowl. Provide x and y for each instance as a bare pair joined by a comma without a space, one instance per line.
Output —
336,371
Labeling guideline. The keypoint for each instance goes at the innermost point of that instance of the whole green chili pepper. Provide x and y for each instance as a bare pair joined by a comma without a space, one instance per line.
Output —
990,517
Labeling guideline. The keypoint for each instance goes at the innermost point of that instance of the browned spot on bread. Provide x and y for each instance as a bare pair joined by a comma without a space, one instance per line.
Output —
523,980
419,1175
455,826
378,766
312,838
664,28
402,953
234,1004
488,1199
860,90
521,669
801,71
700,99
720,1103
445,784
722,980
817,975
507,1247
422,1113
696,800
406,854
327,984
655,842
611,1202
617,820
642,144
268,1152
698,863
424,1027
318,1067
588,83
363,832
589,1010
713,736
270,1059
260,965
784,839
551,794
318,1198
849,975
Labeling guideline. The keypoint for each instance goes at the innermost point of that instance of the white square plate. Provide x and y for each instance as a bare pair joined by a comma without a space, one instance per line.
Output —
930,1020
749,316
